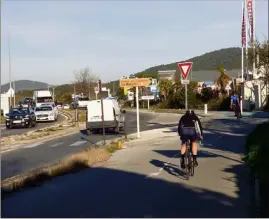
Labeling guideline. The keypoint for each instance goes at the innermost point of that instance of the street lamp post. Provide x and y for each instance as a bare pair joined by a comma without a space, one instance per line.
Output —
9,69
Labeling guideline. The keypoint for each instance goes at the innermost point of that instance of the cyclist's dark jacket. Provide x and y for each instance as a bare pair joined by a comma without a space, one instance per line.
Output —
188,120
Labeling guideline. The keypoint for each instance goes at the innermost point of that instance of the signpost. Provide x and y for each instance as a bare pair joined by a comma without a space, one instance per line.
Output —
185,68
136,82
148,98
96,90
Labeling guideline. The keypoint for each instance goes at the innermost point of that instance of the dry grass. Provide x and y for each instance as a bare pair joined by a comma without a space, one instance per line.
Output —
71,112
3,119
70,164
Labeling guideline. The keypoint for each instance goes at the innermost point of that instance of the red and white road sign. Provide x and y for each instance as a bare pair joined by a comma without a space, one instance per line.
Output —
185,68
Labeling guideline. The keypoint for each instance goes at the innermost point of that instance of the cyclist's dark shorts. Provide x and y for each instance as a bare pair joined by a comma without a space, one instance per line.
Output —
188,133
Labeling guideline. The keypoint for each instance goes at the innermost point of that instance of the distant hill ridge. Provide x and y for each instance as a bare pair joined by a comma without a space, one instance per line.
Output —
204,65
22,85
230,58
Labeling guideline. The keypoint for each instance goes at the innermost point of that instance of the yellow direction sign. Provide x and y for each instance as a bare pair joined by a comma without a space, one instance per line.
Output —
135,82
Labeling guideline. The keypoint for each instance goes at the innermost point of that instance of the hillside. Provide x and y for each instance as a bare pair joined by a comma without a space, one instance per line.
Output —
230,58
204,66
21,85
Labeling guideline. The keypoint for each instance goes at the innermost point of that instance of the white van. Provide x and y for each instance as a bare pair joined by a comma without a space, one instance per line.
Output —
113,115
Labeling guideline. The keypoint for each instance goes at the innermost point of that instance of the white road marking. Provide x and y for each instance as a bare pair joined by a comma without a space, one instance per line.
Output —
56,144
77,143
161,169
33,145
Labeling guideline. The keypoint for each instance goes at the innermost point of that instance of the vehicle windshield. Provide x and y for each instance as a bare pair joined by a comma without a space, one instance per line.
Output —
83,98
44,99
43,108
18,110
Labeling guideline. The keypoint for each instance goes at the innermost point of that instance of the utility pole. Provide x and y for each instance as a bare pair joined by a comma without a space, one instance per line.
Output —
14,99
9,60
102,109
53,94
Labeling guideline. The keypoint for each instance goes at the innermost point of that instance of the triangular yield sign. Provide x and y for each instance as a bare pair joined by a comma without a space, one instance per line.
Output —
185,68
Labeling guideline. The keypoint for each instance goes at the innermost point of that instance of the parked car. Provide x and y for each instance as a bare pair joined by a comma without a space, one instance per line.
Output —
20,117
46,113
66,106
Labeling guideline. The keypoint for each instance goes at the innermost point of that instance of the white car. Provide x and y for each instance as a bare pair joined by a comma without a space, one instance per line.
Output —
45,113
66,106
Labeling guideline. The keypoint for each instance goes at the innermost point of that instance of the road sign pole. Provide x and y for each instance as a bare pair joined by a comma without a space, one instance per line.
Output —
102,109
137,112
148,103
186,97
185,68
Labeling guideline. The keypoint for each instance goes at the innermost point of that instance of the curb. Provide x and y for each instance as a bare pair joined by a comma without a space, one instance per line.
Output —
168,113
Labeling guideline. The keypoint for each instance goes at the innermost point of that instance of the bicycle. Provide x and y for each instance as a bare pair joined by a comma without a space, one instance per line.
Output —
189,167
236,109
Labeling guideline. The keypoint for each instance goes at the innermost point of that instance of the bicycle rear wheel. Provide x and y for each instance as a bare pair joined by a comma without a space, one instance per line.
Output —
191,166
187,161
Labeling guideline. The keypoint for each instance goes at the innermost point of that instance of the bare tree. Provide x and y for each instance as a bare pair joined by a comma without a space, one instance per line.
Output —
85,81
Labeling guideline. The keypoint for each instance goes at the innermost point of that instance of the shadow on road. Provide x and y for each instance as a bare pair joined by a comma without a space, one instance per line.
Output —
170,168
102,192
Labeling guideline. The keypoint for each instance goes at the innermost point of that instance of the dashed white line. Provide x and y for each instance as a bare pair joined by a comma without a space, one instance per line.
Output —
56,144
77,143
33,145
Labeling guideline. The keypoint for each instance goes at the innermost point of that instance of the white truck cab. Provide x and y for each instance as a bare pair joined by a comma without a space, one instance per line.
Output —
42,96
113,116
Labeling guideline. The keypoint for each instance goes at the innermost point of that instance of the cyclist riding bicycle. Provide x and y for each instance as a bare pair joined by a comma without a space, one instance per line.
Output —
190,127
235,104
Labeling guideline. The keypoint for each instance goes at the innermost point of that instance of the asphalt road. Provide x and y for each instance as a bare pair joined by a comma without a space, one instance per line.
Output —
18,131
41,153
145,181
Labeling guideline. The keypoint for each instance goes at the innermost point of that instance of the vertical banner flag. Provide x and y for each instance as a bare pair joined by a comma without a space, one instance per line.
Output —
250,19
243,34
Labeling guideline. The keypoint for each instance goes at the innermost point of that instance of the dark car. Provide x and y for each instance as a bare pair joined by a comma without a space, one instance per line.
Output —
20,117
27,102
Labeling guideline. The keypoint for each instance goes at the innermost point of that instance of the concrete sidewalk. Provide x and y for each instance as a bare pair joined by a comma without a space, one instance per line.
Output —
144,180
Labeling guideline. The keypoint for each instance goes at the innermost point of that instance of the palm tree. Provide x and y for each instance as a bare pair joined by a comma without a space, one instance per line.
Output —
223,79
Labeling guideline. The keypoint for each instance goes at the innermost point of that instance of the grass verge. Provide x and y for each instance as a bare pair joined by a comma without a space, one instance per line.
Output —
3,119
81,114
71,164
257,158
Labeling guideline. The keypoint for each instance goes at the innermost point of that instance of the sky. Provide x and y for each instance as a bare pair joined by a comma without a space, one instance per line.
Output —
51,39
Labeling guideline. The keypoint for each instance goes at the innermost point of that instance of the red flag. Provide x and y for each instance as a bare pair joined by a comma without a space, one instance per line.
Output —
250,18
243,34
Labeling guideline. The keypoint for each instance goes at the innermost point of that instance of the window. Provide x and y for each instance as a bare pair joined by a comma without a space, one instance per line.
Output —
83,98
18,110
43,108
44,99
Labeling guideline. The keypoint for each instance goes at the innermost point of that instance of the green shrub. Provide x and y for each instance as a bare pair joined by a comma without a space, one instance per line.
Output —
257,148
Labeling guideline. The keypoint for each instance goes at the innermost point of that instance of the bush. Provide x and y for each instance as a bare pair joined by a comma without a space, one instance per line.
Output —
266,108
257,154
207,94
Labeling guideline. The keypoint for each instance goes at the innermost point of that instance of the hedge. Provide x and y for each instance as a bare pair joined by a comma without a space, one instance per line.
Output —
257,157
